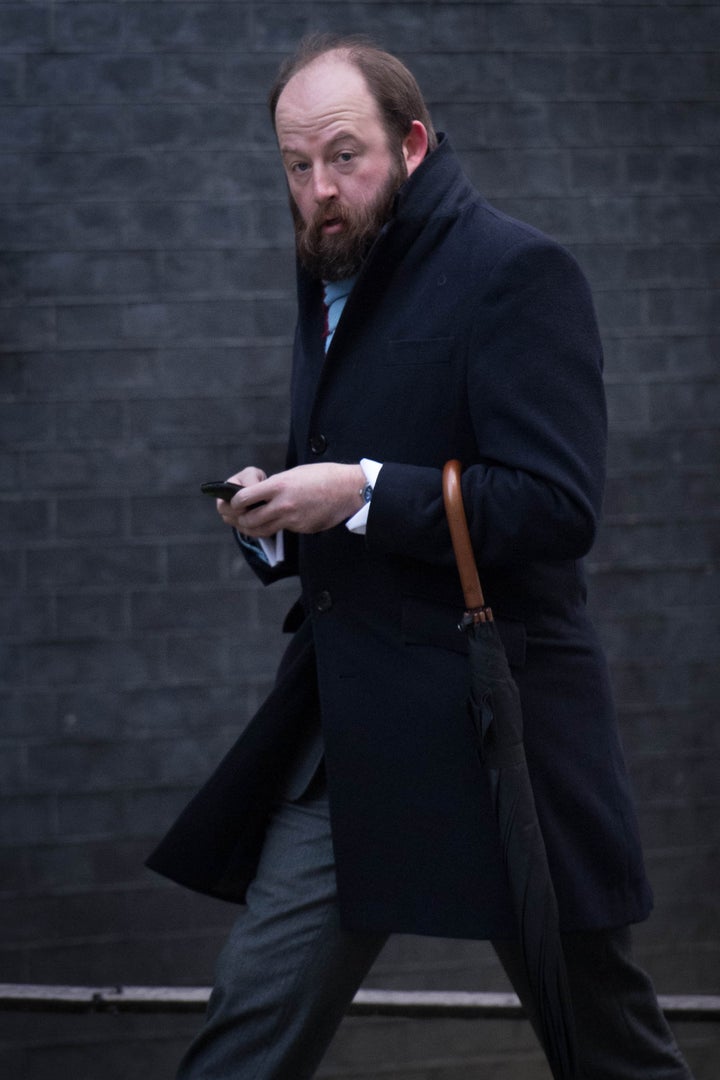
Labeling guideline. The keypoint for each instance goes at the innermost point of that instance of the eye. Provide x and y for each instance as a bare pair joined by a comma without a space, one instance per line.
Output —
345,157
298,168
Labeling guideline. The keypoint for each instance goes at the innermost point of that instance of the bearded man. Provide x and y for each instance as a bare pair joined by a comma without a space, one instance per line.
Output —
430,327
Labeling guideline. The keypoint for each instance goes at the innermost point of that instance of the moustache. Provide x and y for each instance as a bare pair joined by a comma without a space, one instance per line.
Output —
334,213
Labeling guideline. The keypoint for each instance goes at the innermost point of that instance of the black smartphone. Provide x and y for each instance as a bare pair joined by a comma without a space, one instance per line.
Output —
220,489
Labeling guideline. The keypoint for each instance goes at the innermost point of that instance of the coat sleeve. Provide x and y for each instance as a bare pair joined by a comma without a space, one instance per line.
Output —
289,565
537,410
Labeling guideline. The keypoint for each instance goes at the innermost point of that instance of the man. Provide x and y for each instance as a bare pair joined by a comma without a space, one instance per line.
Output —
430,327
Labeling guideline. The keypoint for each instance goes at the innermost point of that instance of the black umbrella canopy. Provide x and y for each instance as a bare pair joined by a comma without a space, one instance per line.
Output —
494,704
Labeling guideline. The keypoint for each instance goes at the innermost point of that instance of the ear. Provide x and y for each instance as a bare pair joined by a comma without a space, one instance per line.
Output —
414,146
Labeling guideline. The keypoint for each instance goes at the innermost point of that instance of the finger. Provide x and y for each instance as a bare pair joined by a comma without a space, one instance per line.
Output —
248,476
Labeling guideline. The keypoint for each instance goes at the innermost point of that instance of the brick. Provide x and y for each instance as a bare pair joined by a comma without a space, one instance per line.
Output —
216,420
211,560
453,27
27,327
501,171
95,27
91,814
90,517
199,463
675,877
24,28
673,450
696,219
71,273
544,76
667,542
88,127
540,123
87,864
93,566
98,616
98,765
696,170
620,309
217,659
406,26
680,494
156,224
66,663
164,710
89,467
697,30
88,324
11,471
659,355
183,175
271,224
669,730
684,405
191,609
84,422
11,81
541,27
669,264
24,422
172,516
686,309
42,226
88,375
681,123
247,77
261,369
97,79
24,129
192,274
278,27
594,170
442,79
677,633
28,713
26,819
26,616
654,683
195,77
204,320
243,269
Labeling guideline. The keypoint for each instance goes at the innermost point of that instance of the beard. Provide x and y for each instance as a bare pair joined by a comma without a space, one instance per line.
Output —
340,255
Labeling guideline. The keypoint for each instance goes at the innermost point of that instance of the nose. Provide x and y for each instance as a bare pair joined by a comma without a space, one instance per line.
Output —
324,186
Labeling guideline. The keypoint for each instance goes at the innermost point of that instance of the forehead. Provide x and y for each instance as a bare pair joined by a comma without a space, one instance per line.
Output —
328,95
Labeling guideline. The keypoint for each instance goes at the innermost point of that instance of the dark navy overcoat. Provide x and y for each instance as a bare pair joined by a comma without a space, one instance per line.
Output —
467,335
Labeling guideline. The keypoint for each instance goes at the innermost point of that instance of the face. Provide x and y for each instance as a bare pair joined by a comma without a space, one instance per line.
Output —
342,173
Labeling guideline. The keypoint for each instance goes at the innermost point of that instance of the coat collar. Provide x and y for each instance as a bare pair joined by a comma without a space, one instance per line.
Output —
426,203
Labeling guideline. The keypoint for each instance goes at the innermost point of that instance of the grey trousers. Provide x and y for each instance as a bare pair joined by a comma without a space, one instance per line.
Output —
289,971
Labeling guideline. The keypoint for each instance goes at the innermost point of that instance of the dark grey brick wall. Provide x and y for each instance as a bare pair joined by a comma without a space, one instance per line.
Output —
146,308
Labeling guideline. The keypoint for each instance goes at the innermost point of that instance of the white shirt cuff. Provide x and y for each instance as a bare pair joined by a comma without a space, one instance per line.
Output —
358,522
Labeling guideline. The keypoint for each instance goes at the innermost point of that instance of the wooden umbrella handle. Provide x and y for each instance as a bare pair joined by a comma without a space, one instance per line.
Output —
462,546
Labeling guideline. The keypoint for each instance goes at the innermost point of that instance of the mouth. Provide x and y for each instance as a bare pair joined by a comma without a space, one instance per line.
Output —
332,225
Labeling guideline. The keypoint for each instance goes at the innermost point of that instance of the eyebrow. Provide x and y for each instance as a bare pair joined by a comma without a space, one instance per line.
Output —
341,136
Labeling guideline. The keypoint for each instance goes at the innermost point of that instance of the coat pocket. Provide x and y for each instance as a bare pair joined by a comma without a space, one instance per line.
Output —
426,622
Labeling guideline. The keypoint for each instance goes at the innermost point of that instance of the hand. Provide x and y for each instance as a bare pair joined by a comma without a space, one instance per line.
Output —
306,499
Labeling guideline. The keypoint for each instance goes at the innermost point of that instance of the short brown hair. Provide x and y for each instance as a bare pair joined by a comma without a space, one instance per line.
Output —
393,86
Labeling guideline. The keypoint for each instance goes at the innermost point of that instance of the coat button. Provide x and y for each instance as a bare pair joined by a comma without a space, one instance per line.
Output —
323,602
318,444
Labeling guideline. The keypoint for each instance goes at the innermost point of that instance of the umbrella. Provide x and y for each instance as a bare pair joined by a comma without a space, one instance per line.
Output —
494,704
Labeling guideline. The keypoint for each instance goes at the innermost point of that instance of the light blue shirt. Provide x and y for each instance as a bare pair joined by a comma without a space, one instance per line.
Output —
335,294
